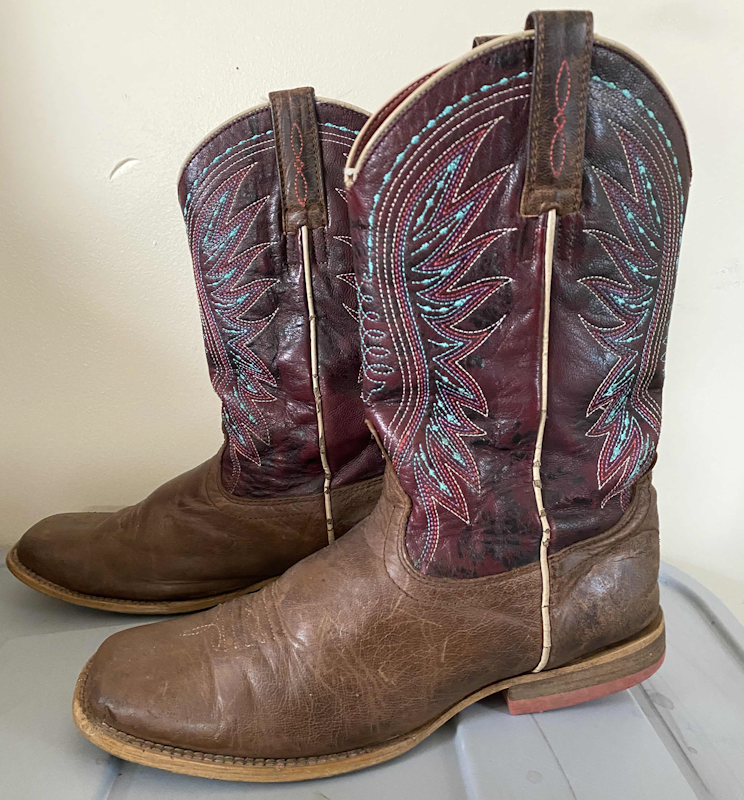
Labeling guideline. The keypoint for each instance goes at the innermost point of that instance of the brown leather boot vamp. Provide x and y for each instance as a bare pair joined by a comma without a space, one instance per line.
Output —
353,656
189,545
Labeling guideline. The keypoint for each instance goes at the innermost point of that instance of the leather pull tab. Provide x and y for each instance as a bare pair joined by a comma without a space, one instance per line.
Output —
560,77
299,159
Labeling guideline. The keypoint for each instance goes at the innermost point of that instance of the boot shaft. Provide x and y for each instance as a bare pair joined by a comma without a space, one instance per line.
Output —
272,311
517,220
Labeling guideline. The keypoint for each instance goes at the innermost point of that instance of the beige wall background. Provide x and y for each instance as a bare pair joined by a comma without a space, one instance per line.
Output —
105,392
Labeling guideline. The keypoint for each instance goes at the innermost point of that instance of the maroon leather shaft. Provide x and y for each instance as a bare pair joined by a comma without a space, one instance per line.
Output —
451,276
614,271
250,281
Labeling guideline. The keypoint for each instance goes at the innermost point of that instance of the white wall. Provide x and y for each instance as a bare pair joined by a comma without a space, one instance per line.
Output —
104,390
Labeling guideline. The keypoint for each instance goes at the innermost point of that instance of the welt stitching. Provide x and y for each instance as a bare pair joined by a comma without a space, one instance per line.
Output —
197,755
72,593
189,755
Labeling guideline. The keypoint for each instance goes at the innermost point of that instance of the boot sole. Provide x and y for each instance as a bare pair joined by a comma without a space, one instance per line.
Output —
30,578
604,672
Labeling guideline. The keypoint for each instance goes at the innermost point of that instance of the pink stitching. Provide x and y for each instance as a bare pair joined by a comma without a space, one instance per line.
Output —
299,164
559,120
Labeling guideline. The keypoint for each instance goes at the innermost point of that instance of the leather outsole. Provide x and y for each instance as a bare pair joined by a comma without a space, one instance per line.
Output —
605,672
144,607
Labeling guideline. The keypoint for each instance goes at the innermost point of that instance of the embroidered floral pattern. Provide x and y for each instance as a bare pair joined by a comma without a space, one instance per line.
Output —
439,234
644,251
223,259
426,312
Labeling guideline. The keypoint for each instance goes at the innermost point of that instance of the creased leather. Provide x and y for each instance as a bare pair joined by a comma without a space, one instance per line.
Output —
190,538
206,533
604,589
349,648
358,643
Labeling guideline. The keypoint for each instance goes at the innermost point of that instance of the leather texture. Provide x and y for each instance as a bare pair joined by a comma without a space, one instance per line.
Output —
451,283
560,76
250,281
349,648
190,538
298,158
608,585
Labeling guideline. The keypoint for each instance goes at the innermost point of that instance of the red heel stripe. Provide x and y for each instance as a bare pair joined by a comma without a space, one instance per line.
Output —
549,702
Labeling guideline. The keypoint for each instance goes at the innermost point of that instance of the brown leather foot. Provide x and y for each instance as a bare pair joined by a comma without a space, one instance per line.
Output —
190,540
56,549
145,678
512,546
611,670
273,269
353,647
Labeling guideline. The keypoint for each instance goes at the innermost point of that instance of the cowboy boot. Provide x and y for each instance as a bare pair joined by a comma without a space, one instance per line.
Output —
516,218
265,211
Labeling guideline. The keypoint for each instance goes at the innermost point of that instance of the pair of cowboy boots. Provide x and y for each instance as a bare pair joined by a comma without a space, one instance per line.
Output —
514,219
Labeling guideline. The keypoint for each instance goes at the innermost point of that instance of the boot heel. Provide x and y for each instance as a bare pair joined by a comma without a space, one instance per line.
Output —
606,672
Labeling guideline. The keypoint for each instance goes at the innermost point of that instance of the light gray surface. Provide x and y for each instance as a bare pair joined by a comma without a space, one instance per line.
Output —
679,736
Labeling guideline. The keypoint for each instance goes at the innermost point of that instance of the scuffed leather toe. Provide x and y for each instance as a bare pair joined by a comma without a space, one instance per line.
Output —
150,682
58,549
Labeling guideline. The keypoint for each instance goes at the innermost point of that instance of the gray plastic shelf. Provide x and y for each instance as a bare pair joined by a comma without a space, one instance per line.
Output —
679,735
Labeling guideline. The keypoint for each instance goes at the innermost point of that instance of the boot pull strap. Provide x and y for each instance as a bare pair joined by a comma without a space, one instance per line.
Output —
560,76
299,159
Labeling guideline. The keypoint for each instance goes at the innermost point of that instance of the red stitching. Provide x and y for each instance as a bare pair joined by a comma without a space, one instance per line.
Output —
559,120
299,165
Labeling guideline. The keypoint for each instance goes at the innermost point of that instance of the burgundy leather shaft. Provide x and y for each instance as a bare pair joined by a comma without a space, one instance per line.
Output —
452,281
250,281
